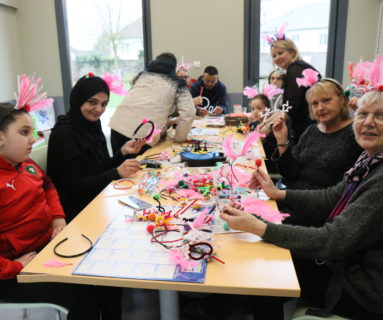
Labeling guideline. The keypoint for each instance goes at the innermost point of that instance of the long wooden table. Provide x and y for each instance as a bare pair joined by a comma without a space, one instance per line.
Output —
252,266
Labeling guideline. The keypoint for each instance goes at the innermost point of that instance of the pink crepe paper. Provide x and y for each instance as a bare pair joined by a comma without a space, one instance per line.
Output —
360,71
52,263
263,209
251,92
115,84
178,259
309,78
267,38
29,96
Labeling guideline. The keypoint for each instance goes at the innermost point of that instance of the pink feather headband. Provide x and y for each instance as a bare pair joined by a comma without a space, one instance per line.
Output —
280,35
29,96
310,77
269,91
113,81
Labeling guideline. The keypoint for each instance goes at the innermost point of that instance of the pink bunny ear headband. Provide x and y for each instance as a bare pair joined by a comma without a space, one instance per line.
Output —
269,91
280,35
113,81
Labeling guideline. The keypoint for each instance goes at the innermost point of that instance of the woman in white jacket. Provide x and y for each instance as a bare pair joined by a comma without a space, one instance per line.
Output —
157,93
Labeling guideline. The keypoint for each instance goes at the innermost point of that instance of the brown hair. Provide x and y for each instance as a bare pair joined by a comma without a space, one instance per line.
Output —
321,88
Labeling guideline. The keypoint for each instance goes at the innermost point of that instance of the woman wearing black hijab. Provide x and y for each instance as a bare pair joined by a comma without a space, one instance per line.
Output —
78,159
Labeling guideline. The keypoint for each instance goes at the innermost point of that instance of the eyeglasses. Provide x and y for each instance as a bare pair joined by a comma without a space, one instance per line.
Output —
362,116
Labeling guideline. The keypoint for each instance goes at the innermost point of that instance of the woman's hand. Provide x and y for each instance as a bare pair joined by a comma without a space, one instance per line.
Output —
57,225
255,116
26,258
261,179
132,146
128,168
280,131
240,220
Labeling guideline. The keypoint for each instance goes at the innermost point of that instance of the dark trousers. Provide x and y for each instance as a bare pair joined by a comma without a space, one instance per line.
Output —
83,302
314,279
117,140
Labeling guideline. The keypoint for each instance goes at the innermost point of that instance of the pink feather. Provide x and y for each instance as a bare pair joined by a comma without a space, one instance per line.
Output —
251,138
281,32
376,75
29,93
250,92
200,220
227,148
268,39
271,90
263,209
309,78
115,84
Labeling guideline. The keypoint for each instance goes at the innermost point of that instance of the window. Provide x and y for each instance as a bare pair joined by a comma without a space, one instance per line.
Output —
317,26
307,19
105,36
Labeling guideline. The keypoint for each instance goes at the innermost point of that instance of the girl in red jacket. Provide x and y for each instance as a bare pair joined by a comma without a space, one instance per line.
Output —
30,216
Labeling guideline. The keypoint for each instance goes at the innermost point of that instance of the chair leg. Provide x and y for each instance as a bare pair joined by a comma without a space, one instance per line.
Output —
25,314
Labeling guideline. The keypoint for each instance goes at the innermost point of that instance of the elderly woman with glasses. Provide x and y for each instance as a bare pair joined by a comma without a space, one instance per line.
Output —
326,149
339,262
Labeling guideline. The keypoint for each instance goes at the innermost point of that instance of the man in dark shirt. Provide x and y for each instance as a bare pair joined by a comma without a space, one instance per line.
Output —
208,86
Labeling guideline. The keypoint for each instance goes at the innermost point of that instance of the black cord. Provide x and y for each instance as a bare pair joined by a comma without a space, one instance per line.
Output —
72,255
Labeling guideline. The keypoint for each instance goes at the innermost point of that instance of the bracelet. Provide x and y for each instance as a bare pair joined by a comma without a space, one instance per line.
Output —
283,144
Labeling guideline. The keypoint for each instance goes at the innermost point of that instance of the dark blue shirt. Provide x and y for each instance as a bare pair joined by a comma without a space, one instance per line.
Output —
217,96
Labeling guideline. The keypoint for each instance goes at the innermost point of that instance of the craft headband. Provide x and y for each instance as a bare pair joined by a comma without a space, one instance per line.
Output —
143,122
280,35
269,91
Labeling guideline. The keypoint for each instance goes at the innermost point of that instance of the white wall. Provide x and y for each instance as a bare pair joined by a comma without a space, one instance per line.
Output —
10,63
207,31
361,35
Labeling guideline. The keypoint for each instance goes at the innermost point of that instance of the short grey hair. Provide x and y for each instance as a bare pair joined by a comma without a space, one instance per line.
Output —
370,98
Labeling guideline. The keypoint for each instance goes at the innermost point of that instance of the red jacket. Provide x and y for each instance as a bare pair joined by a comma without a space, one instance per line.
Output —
28,204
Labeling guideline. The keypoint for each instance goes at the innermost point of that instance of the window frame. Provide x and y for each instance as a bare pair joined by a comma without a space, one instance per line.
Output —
335,42
63,41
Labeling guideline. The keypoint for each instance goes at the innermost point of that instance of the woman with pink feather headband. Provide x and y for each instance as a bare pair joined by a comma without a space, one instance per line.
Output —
285,55
31,214
327,148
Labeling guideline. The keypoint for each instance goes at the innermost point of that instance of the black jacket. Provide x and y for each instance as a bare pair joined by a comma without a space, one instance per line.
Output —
79,163
296,96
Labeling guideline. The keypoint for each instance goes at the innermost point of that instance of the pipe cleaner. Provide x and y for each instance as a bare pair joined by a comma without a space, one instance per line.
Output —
29,96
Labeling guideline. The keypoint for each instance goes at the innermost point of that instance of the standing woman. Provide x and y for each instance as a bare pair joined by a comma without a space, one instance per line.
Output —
78,158
285,55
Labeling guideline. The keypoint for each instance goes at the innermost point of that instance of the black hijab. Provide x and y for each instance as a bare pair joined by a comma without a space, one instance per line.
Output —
88,131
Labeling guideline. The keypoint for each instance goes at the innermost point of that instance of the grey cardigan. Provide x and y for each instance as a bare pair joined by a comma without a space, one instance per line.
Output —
352,243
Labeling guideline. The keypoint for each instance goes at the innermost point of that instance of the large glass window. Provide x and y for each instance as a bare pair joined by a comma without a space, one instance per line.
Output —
106,36
308,27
